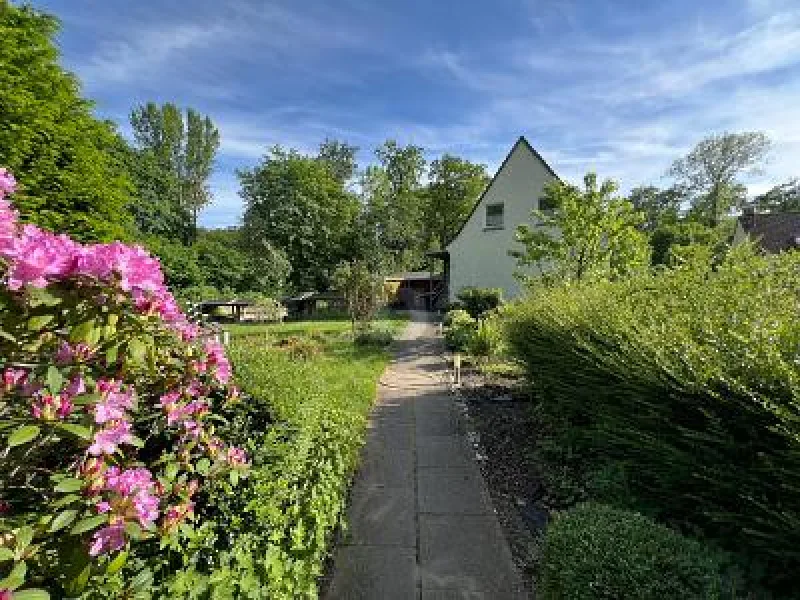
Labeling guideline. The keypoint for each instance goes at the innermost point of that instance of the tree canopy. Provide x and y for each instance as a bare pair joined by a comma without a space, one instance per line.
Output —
590,234
709,173
66,161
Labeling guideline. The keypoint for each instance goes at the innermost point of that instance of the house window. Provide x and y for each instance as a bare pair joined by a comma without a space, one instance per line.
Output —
494,216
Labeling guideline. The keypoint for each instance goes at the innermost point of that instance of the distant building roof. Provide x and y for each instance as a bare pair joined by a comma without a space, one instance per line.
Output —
413,276
774,232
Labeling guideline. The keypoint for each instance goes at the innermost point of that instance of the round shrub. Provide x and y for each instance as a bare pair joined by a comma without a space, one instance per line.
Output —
460,328
594,551
478,301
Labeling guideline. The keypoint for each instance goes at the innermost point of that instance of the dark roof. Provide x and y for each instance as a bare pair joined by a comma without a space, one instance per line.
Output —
532,150
229,303
413,276
774,232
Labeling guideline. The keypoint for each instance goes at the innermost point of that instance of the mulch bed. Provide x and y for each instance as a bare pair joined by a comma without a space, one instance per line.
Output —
504,434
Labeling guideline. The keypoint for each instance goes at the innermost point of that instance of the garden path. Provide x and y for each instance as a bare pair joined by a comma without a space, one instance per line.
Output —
421,525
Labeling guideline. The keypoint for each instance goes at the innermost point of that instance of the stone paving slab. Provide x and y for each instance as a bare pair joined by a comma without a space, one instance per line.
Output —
451,491
466,553
442,451
381,516
454,595
437,423
374,573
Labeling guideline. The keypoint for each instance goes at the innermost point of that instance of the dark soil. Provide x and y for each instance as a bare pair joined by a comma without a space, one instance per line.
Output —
504,435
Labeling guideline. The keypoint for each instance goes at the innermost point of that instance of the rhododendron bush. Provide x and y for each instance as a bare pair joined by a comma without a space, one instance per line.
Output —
109,402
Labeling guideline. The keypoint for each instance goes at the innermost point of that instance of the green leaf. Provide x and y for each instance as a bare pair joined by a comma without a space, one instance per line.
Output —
54,379
69,485
63,519
23,435
31,594
79,431
83,332
111,355
24,537
86,399
137,351
143,580
89,523
6,554
203,465
16,578
39,322
118,562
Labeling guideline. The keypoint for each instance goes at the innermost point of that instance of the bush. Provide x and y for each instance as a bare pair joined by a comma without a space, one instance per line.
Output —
597,552
108,417
460,327
688,378
478,301
485,341
375,337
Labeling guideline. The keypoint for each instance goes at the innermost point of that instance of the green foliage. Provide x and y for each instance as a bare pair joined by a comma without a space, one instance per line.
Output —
460,327
590,234
64,159
297,204
659,207
709,173
363,292
340,158
687,379
478,301
486,340
668,241
375,337
283,516
183,151
780,198
594,552
453,189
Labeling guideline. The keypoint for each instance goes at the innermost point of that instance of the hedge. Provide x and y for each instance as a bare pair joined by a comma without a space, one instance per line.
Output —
687,381
304,428
594,552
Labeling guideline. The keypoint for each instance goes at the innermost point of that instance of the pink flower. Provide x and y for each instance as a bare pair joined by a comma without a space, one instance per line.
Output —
49,407
236,457
65,407
8,185
103,507
107,440
6,594
108,539
8,229
113,405
217,360
135,489
75,387
67,353
38,257
14,377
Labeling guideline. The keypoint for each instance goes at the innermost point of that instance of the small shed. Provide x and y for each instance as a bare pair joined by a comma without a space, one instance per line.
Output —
232,307
415,290
308,304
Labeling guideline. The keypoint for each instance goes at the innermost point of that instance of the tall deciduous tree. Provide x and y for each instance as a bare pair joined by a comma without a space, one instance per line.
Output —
64,159
710,171
590,234
402,224
658,206
295,203
340,158
453,188
183,148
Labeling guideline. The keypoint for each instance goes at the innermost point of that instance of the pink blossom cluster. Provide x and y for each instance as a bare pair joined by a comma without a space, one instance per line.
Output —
111,412
217,362
36,258
131,495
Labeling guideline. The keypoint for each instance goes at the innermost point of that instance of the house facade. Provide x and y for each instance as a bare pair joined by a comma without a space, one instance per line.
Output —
478,255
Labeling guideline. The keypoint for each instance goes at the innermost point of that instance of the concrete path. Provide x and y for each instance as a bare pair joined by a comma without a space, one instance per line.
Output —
421,522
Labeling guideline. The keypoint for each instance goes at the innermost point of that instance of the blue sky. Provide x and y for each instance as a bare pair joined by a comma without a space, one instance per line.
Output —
621,87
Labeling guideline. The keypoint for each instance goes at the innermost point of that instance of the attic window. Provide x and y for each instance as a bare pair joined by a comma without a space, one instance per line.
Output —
494,216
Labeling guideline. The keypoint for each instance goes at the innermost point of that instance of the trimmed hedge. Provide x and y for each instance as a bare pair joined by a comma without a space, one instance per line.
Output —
304,428
686,381
594,552
478,301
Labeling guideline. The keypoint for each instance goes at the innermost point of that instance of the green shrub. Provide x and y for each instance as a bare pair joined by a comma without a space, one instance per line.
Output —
597,552
479,301
485,341
374,337
299,347
689,378
460,328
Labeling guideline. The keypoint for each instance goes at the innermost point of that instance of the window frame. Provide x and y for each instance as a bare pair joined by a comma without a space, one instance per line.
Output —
487,226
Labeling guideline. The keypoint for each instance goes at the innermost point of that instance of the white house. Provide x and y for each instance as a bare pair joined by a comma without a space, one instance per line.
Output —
478,255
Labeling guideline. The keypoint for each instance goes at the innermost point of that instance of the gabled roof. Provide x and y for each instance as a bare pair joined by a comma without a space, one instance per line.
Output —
774,232
520,141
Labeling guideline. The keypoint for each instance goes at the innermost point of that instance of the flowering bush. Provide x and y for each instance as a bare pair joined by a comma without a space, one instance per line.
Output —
107,408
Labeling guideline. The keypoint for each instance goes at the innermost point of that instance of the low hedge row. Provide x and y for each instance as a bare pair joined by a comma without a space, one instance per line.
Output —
303,427
685,385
